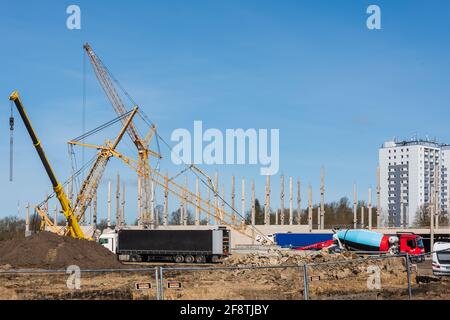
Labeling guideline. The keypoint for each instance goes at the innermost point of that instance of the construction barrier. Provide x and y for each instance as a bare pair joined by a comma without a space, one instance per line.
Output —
75,284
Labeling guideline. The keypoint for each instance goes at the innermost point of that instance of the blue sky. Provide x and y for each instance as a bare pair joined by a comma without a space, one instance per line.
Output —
335,89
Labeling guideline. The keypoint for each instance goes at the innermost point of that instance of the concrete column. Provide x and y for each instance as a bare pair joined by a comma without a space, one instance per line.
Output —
94,217
253,203
166,200
208,214
233,195
362,217
216,198
222,205
299,202
318,217
310,208
267,202
243,202
291,208
122,212
197,202
322,199
109,205
118,202
55,215
152,204
355,207
27,220
370,208
282,201
140,213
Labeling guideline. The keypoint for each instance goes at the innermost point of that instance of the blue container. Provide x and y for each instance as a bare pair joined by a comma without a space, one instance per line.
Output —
297,240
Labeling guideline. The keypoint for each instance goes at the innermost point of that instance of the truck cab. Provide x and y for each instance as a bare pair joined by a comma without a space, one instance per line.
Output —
441,259
109,241
412,244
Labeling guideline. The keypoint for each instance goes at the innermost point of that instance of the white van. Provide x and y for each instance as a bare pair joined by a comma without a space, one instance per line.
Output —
441,258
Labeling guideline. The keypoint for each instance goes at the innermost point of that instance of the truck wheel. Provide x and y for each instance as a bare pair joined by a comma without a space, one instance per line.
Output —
189,259
178,259
200,259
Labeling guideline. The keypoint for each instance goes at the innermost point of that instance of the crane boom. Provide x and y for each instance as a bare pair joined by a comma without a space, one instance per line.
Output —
92,181
106,82
73,226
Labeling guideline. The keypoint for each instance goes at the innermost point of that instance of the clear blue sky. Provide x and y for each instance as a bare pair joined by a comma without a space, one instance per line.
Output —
335,89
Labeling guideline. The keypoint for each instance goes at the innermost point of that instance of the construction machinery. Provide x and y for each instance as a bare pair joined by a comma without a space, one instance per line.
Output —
72,223
148,176
107,83
90,184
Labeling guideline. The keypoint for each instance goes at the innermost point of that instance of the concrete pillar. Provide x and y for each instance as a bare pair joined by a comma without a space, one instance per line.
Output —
355,207
109,205
27,220
55,215
322,199
122,212
267,202
243,202
233,195
208,214
222,206
118,202
370,208
166,200
362,217
197,202
310,208
318,217
253,204
94,216
299,202
291,208
216,198
282,200
140,212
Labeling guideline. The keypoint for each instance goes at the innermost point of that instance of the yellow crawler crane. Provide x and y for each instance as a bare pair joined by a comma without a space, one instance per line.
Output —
73,226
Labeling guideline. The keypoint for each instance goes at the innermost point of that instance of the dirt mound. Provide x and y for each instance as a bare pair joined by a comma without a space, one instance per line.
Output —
275,257
46,250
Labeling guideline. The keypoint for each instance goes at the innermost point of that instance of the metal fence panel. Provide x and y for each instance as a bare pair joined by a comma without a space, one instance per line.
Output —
104,285
359,279
271,283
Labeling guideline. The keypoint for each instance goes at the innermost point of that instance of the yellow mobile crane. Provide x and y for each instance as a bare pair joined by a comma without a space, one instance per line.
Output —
73,226
90,184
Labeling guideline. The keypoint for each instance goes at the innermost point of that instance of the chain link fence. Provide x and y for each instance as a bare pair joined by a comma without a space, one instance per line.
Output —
76,284
372,277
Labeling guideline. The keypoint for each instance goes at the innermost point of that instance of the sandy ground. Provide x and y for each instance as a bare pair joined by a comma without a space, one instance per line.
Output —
326,282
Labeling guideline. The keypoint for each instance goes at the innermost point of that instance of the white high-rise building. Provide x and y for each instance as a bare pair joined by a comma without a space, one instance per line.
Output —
408,179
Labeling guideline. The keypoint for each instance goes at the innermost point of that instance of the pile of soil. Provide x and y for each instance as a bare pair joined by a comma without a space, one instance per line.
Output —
274,257
46,250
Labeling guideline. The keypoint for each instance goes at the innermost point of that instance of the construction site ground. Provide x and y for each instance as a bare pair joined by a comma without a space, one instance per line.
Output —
275,274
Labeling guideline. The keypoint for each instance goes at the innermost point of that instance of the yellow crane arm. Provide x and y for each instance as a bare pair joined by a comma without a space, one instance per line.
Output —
92,181
74,228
